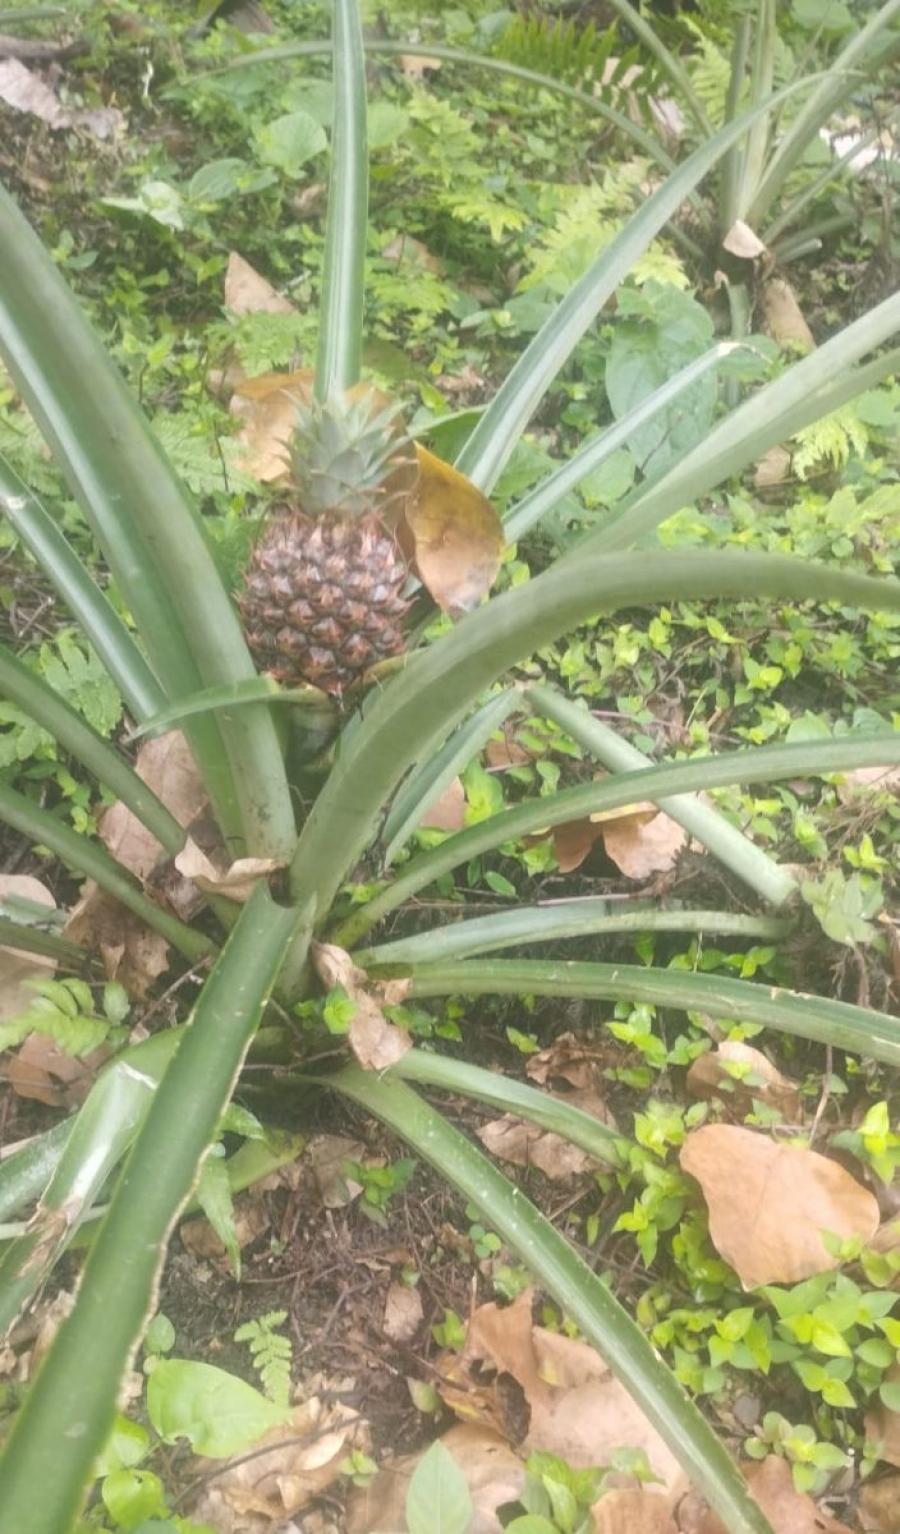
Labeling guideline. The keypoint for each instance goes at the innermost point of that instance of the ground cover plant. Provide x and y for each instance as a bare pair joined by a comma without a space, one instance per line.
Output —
378,693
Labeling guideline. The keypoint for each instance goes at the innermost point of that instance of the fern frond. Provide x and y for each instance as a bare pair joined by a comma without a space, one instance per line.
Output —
272,1354
556,47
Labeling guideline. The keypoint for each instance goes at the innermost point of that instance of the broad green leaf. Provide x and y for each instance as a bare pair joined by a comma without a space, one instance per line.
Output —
218,1413
438,1500
288,142
216,181
660,330
127,1445
214,1198
132,1496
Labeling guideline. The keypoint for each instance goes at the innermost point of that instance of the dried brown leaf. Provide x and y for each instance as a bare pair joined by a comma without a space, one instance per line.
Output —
769,1204
17,966
237,882
259,1493
883,1425
511,1139
640,847
783,318
416,65
406,250
879,1506
403,1313
452,535
247,292
267,406
27,91
626,1511
132,953
494,1473
709,1076
522,1144
40,1070
577,1408
867,779
327,1154
569,1059
375,1042
251,1219
743,241
789,1511
448,813
167,767
773,468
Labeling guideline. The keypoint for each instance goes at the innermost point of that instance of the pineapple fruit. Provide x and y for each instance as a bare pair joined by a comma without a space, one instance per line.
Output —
323,599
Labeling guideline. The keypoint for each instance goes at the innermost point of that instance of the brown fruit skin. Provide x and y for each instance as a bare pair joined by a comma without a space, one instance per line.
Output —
321,601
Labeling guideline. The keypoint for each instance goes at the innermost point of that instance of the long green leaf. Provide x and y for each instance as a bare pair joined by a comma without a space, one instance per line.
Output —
84,599
702,821
809,390
433,776
550,491
762,77
761,764
31,694
506,417
97,1140
255,690
648,35
841,81
565,918
150,534
644,141
48,1458
26,1170
874,1035
90,858
578,1290
18,934
341,312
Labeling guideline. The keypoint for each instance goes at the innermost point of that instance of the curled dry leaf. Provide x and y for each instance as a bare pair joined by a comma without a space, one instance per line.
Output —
17,966
789,1511
237,882
625,1511
710,1076
257,1494
494,1473
769,1204
575,1406
403,1313
267,406
247,292
883,1425
743,241
783,318
375,1042
456,535
569,1059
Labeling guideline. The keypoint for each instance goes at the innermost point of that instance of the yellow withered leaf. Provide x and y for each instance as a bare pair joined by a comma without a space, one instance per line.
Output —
267,405
456,535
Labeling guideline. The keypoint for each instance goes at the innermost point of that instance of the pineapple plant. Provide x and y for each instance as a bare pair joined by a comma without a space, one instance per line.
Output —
323,597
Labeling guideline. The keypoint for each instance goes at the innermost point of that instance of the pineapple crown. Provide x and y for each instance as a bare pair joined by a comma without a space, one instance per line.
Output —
346,453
